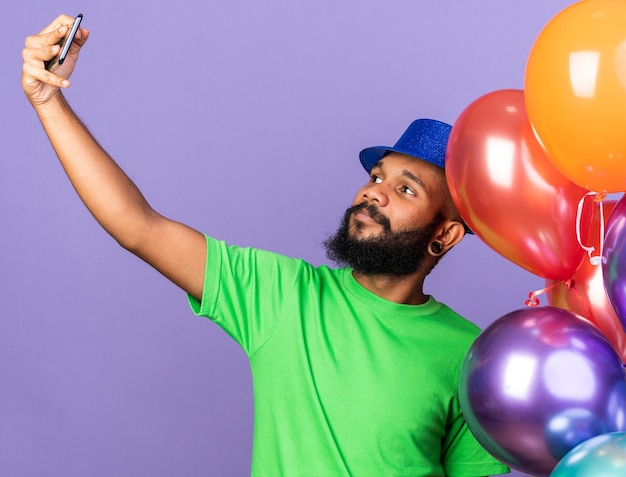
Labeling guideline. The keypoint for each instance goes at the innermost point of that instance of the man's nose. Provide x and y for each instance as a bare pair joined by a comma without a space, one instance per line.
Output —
377,193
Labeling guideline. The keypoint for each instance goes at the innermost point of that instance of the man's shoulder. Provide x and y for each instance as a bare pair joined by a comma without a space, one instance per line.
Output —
459,323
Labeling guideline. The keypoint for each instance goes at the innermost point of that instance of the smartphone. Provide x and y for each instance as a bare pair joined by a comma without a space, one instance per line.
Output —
65,44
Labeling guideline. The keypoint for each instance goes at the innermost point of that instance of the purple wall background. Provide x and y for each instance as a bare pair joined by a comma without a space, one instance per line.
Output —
244,120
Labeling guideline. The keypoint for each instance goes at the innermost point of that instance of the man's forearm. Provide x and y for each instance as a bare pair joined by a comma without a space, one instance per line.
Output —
109,194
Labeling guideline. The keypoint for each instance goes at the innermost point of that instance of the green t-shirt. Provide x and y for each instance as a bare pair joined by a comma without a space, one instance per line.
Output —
345,383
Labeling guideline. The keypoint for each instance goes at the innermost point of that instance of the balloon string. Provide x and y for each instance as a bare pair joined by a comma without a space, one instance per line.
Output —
532,296
598,197
581,301
600,204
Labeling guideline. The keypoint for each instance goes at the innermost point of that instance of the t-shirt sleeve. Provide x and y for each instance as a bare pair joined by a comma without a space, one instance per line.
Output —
462,455
244,290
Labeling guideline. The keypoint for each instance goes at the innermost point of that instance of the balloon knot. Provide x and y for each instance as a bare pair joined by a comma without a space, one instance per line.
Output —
532,296
600,196
532,300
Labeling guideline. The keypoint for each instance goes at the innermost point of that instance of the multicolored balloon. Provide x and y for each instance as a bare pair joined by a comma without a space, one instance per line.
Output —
585,293
509,192
614,260
539,381
602,456
575,90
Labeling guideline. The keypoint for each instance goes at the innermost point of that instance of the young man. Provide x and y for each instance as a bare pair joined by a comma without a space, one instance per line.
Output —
355,369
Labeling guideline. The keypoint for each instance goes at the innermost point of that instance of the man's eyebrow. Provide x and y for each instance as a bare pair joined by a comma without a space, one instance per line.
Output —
378,165
414,178
405,172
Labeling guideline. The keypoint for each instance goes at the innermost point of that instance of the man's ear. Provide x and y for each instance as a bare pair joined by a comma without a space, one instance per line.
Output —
451,233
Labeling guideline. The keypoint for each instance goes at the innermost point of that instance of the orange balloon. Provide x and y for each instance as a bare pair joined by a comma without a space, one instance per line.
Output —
587,296
509,192
575,91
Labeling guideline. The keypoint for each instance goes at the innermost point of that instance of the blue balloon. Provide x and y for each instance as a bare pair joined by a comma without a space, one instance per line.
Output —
569,428
602,456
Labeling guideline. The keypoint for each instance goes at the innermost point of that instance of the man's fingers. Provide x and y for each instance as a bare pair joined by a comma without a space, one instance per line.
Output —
46,39
81,36
33,69
61,20
33,73
40,54
54,38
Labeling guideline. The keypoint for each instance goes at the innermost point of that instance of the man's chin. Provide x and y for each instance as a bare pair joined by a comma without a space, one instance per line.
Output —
364,236
365,231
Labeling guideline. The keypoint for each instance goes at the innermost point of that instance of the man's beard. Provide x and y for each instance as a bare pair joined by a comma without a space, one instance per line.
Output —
390,253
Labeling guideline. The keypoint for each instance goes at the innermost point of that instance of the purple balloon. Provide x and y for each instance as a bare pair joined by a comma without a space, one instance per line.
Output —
614,260
539,381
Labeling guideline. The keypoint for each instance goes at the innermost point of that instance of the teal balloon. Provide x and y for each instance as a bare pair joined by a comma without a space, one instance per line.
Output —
603,455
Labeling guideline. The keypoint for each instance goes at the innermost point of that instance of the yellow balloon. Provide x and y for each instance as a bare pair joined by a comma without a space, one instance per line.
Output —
575,93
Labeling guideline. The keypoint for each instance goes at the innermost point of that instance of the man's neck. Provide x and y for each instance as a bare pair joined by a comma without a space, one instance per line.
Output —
406,290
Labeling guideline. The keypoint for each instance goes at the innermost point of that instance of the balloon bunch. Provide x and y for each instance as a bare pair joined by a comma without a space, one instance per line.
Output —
543,388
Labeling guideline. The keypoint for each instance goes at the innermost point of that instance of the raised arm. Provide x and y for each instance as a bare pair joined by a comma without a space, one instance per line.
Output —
174,249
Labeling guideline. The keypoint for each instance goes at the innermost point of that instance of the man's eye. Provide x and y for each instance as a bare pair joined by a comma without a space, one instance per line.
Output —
376,180
407,190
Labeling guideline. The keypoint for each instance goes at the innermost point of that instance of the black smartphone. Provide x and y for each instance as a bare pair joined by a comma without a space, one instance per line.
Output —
65,44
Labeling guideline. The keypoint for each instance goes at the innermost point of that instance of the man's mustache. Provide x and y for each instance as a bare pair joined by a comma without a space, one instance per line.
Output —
373,212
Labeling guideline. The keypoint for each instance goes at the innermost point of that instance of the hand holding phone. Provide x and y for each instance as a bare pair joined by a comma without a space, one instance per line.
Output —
65,44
